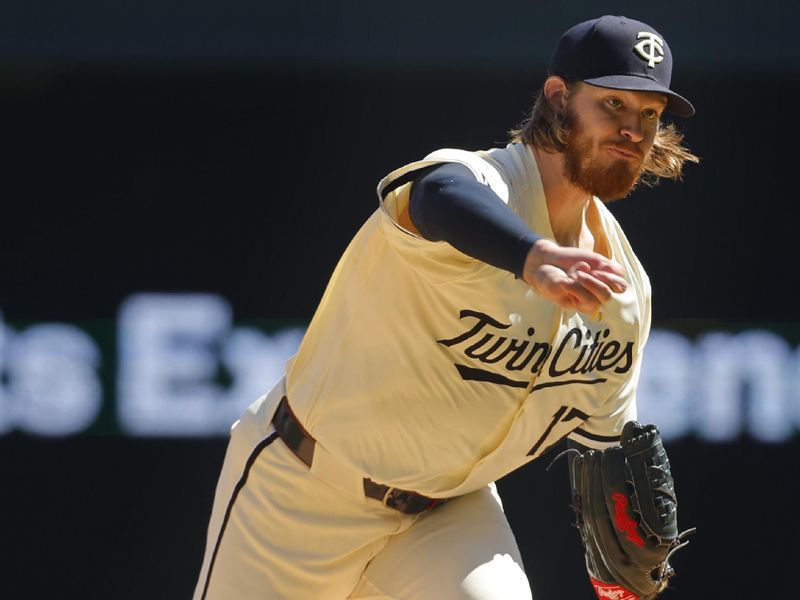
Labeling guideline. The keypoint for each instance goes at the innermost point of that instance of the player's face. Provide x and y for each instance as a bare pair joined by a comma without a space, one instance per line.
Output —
610,134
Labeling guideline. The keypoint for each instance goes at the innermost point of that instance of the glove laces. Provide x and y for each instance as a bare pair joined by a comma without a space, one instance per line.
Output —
679,542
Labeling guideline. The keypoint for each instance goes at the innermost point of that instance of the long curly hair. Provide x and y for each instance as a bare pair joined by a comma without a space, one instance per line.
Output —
545,129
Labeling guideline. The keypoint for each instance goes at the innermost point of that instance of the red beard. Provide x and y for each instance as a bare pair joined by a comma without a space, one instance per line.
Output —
608,180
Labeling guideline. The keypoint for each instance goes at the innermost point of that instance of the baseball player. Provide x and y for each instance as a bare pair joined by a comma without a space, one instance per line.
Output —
489,308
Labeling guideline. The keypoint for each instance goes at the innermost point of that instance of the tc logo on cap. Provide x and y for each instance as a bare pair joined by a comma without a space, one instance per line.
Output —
651,48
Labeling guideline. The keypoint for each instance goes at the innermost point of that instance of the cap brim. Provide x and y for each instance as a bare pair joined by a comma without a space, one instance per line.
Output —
676,104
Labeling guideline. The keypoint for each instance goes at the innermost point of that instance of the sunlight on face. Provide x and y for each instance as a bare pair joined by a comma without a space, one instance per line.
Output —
610,134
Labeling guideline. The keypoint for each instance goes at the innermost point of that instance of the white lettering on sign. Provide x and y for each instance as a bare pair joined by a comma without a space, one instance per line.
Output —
665,384
184,369
721,386
6,419
256,362
174,349
52,387
168,349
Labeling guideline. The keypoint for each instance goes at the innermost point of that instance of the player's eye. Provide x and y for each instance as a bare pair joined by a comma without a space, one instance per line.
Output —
650,113
614,102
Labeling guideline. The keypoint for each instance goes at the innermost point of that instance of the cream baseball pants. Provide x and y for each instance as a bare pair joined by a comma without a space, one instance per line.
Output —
279,530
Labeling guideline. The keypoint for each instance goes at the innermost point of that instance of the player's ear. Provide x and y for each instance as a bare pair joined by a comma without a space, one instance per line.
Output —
555,92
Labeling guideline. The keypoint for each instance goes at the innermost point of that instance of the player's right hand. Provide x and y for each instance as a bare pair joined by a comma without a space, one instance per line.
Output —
572,278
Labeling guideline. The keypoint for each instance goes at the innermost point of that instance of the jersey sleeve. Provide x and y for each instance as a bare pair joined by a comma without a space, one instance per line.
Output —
449,204
436,261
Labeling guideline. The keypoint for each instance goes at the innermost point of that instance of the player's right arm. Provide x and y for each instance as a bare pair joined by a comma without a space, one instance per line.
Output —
448,204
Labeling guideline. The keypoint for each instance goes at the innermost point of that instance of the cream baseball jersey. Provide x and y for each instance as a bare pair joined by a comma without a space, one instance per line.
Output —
426,369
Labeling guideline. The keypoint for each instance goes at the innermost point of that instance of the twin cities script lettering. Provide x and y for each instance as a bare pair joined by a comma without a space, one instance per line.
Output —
581,352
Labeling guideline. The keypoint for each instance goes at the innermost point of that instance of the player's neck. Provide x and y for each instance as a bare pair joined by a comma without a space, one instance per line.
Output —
566,203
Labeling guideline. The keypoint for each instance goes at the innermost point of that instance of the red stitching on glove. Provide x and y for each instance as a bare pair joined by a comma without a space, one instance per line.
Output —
610,591
623,521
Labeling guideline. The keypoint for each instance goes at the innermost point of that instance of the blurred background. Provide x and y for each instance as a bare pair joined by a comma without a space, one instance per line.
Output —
180,178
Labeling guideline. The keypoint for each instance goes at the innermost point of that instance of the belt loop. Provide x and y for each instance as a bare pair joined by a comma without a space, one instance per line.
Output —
386,495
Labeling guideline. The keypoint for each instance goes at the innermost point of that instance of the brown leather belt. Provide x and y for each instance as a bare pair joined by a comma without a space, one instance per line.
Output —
298,440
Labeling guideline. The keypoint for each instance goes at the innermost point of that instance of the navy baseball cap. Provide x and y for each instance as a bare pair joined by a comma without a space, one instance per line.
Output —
621,54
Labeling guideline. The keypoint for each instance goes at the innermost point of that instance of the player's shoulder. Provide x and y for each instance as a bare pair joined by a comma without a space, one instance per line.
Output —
508,158
503,170
475,160
483,164
506,170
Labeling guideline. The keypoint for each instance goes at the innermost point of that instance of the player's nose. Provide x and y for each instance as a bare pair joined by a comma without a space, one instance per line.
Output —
632,129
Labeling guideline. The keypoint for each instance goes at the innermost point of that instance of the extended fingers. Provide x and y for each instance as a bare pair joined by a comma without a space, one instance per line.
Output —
588,293
591,290
614,282
571,259
601,264
558,287
578,288
600,284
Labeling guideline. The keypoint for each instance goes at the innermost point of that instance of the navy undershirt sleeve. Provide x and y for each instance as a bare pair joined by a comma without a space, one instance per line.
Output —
448,204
